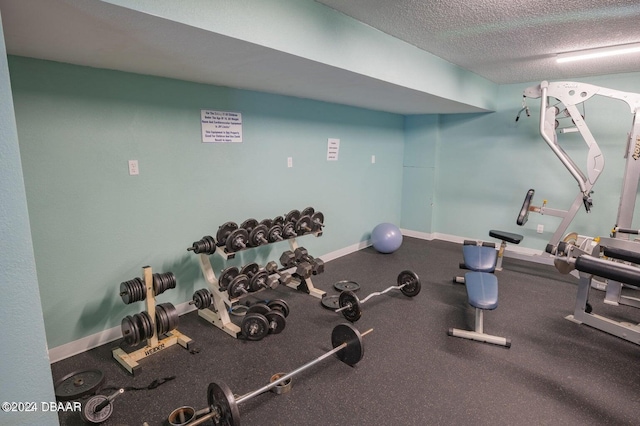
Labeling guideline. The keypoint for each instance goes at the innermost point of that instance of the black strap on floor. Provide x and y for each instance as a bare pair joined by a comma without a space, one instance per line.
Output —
152,385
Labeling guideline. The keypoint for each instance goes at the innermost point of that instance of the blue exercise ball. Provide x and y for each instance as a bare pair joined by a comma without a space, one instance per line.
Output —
386,238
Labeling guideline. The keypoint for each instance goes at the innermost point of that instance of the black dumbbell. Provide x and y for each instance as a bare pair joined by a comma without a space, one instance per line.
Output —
303,256
202,299
303,268
283,276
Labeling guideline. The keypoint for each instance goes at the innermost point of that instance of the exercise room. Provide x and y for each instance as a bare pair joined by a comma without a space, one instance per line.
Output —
319,212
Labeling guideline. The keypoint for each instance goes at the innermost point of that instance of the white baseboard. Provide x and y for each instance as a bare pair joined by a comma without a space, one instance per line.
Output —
98,339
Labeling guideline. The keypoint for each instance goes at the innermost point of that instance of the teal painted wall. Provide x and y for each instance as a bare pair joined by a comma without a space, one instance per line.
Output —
419,171
95,226
24,369
487,162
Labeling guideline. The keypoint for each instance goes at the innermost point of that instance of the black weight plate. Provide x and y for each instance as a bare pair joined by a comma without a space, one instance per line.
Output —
288,230
259,308
331,302
140,325
149,331
172,316
236,240
254,326
346,285
317,220
226,276
89,413
258,236
130,330
347,333
277,322
78,384
267,222
280,305
221,400
224,231
308,211
239,283
278,220
303,225
292,216
258,281
202,298
162,320
275,233
249,224
349,301
412,282
250,269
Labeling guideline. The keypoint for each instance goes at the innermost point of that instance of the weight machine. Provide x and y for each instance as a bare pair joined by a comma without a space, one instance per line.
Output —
569,95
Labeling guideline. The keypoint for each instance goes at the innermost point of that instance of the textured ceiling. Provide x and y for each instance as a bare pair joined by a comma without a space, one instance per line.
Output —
505,41
508,41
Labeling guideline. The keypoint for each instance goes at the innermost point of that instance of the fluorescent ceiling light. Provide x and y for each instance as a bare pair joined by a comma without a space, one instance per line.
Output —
598,53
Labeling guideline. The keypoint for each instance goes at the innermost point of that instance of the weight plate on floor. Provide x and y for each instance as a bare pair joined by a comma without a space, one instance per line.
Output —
249,224
308,211
277,322
78,384
237,240
224,231
292,216
89,414
250,269
412,282
254,326
331,302
221,399
346,333
279,305
346,285
349,301
259,308
226,276
238,286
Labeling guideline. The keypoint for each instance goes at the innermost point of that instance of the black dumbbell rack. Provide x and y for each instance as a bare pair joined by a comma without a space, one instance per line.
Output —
218,313
154,345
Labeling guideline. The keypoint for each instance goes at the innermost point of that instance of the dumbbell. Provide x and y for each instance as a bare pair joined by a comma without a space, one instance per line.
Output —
284,277
202,298
261,320
351,306
258,278
99,408
302,255
288,260
224,231
223,404
206,245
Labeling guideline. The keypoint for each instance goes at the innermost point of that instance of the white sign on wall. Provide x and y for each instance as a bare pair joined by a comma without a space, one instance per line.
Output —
333,148
221,126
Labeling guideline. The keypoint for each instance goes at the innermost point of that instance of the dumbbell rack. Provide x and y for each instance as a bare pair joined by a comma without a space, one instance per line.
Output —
130,360
218,314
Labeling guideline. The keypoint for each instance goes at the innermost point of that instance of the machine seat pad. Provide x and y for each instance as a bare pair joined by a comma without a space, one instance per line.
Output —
506,236
482,290
480,258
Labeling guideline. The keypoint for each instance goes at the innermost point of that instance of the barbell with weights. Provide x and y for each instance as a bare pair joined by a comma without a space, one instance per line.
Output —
223,404
351,306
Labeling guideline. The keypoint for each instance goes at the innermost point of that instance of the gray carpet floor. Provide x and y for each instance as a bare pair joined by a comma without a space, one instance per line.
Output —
555,373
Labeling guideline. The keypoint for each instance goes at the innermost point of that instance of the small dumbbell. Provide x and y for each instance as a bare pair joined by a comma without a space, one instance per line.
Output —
258,235
288,260
237,240
302,255
206,245
202,299
257,277
283,276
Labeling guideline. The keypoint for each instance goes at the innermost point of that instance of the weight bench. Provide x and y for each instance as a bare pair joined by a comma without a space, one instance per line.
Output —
482,289
505,237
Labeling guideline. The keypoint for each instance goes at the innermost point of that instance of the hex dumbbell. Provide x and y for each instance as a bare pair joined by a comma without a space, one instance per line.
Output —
302,255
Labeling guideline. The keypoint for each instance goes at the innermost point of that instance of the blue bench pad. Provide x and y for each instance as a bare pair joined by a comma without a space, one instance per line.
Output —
479,258
482,289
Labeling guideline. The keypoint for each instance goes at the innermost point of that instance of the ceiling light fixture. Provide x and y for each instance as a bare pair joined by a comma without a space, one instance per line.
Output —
601,52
